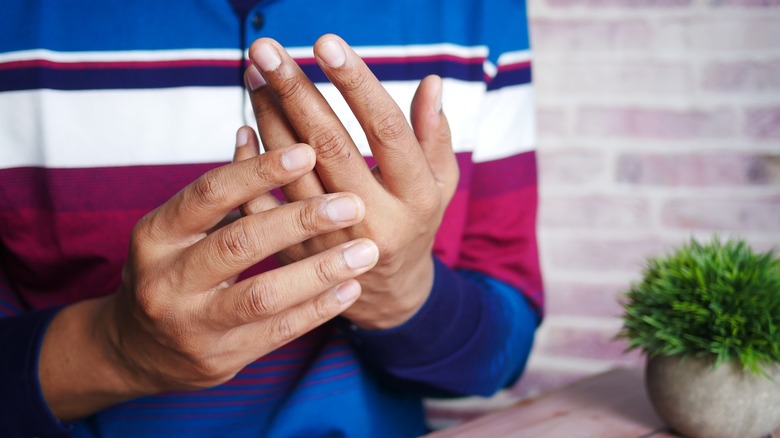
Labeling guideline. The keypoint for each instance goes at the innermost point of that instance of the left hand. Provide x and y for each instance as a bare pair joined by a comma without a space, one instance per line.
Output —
405,195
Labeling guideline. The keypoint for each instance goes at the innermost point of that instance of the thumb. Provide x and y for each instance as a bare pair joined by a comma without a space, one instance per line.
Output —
433,133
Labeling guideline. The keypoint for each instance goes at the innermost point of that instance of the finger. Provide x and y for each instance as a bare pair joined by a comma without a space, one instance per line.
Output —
245,242
202,204
392,140
340,165
257,339
276,132
247,147
273,292
433,133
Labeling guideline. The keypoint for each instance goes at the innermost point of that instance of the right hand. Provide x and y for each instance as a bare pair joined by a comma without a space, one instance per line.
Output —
179,320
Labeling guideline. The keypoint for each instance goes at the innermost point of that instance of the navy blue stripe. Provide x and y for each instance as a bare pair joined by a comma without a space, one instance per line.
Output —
31,78
102,79
506,78
402,71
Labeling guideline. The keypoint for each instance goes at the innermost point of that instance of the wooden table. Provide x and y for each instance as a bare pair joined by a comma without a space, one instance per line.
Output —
609,405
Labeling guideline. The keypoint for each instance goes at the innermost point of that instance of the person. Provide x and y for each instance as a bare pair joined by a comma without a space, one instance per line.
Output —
376,282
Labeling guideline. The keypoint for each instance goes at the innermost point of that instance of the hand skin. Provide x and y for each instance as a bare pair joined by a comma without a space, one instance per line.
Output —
405,195
179,320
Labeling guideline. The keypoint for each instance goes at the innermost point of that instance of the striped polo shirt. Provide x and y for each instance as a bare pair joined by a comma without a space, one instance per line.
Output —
109,108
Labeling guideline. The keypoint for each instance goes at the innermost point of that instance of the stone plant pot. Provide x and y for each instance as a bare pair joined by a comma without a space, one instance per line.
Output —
726,402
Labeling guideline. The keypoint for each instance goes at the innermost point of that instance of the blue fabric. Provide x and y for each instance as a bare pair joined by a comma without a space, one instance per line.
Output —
473,334
108,25
454,344
23,410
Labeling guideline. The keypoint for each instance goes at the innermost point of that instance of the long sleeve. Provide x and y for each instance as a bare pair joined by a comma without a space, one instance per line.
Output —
23,410
472,336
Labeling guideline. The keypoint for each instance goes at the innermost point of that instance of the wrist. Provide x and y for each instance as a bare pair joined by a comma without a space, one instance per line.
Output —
398,300
78,371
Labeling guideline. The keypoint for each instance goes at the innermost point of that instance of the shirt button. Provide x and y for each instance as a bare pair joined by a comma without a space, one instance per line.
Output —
258,21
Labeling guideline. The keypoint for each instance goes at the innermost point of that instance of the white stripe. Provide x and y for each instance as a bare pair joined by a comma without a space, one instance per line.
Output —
68,129
400,51
507,124
118,127
489,68
235,54
462,111
130,55
514,57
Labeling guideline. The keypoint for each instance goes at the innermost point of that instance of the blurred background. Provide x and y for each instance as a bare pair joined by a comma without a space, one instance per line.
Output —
657,120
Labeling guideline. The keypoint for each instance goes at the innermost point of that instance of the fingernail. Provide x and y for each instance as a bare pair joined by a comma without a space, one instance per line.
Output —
253,78
341,209
296,158
332,54
347,292
266,57
361,255
242,137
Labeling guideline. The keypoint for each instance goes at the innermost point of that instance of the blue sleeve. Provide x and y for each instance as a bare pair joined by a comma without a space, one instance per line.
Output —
471,337
23,410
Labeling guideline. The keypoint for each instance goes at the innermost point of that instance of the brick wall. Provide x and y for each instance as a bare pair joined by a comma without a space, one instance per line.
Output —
658,120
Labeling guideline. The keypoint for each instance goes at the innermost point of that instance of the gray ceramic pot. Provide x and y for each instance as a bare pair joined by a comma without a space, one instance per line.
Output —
700,402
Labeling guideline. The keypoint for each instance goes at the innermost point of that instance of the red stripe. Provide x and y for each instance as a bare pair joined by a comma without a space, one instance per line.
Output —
514,66
105,65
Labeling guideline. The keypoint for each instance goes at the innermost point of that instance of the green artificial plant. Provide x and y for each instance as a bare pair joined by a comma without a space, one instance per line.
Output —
714,299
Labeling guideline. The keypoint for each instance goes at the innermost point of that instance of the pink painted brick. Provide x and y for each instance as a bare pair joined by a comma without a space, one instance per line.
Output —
747,3
742,34
620,3
551,122
732,214
656,123
698,170
601,254
578,342
583,299
571,166
613,77
594,211
742,75
568,35
763,123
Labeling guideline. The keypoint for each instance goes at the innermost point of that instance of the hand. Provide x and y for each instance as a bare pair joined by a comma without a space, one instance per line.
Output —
405,195
179,321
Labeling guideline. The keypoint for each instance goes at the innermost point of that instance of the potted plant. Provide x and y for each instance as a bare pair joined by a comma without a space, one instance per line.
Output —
708,318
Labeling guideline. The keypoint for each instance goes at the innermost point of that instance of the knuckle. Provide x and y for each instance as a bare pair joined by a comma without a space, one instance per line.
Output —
390,127
261,300
326,272
209,368
263,108
262,170
357,82
290,89
282,331
235,242
144,230
331,144
207,188
308,218
324,309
